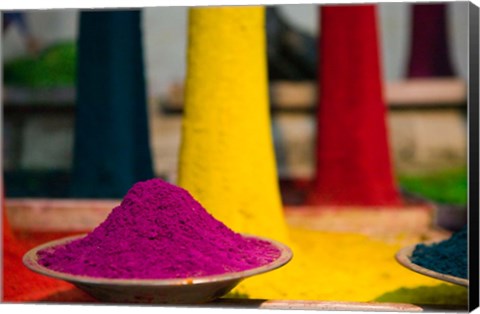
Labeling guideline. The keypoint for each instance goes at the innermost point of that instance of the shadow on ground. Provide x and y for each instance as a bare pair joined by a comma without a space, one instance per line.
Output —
442,294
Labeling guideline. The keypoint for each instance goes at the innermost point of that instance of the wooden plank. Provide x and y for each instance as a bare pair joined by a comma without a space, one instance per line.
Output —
333,305
299,95
315,305
24,96
411,93
403,224
57,214
428,92
80,215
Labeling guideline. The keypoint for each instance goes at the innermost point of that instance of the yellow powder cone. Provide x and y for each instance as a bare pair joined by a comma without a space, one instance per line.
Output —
226,158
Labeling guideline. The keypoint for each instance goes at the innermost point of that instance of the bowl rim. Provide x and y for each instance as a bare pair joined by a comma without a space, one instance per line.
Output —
30,260
404,255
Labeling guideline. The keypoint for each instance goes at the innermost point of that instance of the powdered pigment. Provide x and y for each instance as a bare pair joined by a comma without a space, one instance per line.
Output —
20,284
446,257
159,231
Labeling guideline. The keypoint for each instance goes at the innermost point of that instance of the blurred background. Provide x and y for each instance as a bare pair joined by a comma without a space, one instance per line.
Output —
426,117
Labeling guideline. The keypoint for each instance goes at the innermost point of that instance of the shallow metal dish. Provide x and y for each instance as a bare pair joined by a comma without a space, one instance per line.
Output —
404,258
173,291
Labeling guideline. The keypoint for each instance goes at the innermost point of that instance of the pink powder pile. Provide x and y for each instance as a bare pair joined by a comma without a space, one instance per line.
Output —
159,231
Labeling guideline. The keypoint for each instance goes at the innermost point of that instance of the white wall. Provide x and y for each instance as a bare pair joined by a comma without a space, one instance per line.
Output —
48,26
166,34
165,39
458,27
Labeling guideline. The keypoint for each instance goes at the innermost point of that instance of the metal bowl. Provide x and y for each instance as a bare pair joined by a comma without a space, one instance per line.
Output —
159,291
404,258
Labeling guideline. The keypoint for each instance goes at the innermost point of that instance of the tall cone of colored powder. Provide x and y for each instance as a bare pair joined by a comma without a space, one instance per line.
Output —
353,164
429,52
112,149
227,159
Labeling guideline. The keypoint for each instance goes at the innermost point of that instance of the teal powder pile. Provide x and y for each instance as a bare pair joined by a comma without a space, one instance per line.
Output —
447,257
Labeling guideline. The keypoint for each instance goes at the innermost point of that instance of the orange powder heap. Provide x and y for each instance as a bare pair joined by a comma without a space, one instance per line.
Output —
19,283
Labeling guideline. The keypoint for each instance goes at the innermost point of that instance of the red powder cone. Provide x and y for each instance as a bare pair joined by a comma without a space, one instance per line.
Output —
353,161
429,53
19,283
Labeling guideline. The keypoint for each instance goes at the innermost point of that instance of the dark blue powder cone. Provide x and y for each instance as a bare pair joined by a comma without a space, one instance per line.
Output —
112,149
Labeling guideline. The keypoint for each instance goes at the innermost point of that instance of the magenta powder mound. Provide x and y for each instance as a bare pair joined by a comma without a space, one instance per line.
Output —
159,231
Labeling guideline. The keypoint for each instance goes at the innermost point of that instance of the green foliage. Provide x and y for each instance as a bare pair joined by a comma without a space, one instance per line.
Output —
442,294
53,67
449,187
236,295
